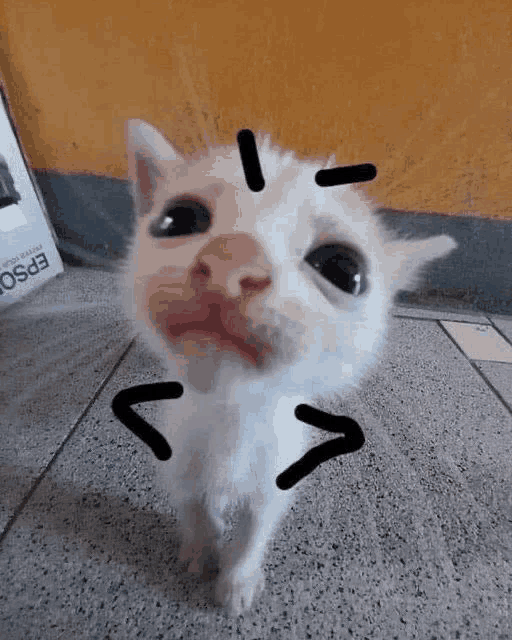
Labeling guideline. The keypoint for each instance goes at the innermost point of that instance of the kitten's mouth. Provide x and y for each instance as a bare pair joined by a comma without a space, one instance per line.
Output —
221,326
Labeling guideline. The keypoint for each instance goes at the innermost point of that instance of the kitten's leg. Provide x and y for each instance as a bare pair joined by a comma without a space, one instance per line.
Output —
242,576
201,530
200,519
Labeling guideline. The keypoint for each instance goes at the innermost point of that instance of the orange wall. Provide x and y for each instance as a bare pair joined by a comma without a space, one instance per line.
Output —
422,89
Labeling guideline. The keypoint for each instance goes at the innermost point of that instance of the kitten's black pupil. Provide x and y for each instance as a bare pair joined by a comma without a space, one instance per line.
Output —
183,217
341,266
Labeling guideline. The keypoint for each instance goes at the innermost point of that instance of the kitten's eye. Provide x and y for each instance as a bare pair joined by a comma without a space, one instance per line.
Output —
341,265
182,218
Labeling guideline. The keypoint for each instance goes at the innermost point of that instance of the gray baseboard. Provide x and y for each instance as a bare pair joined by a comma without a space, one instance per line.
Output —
93,218
477,276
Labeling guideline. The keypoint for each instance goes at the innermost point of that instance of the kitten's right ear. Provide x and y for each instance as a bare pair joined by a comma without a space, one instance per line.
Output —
149,156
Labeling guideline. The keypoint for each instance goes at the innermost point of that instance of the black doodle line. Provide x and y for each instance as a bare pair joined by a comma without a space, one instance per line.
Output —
352,439
345,175
250,160
323,178
137,425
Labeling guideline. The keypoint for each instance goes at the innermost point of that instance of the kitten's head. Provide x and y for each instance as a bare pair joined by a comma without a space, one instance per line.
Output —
292,283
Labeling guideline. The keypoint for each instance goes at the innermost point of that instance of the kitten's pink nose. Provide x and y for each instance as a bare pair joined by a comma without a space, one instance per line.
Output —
234,265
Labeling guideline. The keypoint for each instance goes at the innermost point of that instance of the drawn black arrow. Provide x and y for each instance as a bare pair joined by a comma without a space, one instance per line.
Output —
351,440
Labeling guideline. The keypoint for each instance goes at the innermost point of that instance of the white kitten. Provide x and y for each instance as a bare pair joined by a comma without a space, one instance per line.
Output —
256,301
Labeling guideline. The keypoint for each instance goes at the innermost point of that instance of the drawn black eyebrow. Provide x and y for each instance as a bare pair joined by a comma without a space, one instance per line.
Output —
250,160
323,178
345,175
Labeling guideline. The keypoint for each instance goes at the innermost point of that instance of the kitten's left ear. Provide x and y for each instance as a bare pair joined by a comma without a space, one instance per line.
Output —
411,256
149,156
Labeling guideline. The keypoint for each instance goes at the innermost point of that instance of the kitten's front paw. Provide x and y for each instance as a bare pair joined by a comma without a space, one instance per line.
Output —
191,555
200,558
236,590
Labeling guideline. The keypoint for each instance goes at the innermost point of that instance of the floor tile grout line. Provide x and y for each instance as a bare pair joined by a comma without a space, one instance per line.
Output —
498,330
476,369
493,326
42,475
490,385
443,319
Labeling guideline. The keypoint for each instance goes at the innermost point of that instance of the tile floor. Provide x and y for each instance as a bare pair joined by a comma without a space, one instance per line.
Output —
408,538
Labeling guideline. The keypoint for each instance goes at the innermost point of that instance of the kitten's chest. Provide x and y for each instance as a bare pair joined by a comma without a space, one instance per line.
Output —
243,439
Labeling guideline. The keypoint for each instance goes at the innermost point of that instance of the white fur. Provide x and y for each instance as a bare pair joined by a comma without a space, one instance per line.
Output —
234,429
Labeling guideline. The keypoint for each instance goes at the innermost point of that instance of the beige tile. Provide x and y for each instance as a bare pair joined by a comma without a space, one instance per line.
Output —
479,341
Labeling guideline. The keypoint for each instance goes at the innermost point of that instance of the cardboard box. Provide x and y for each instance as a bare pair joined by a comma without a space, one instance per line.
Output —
28,251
